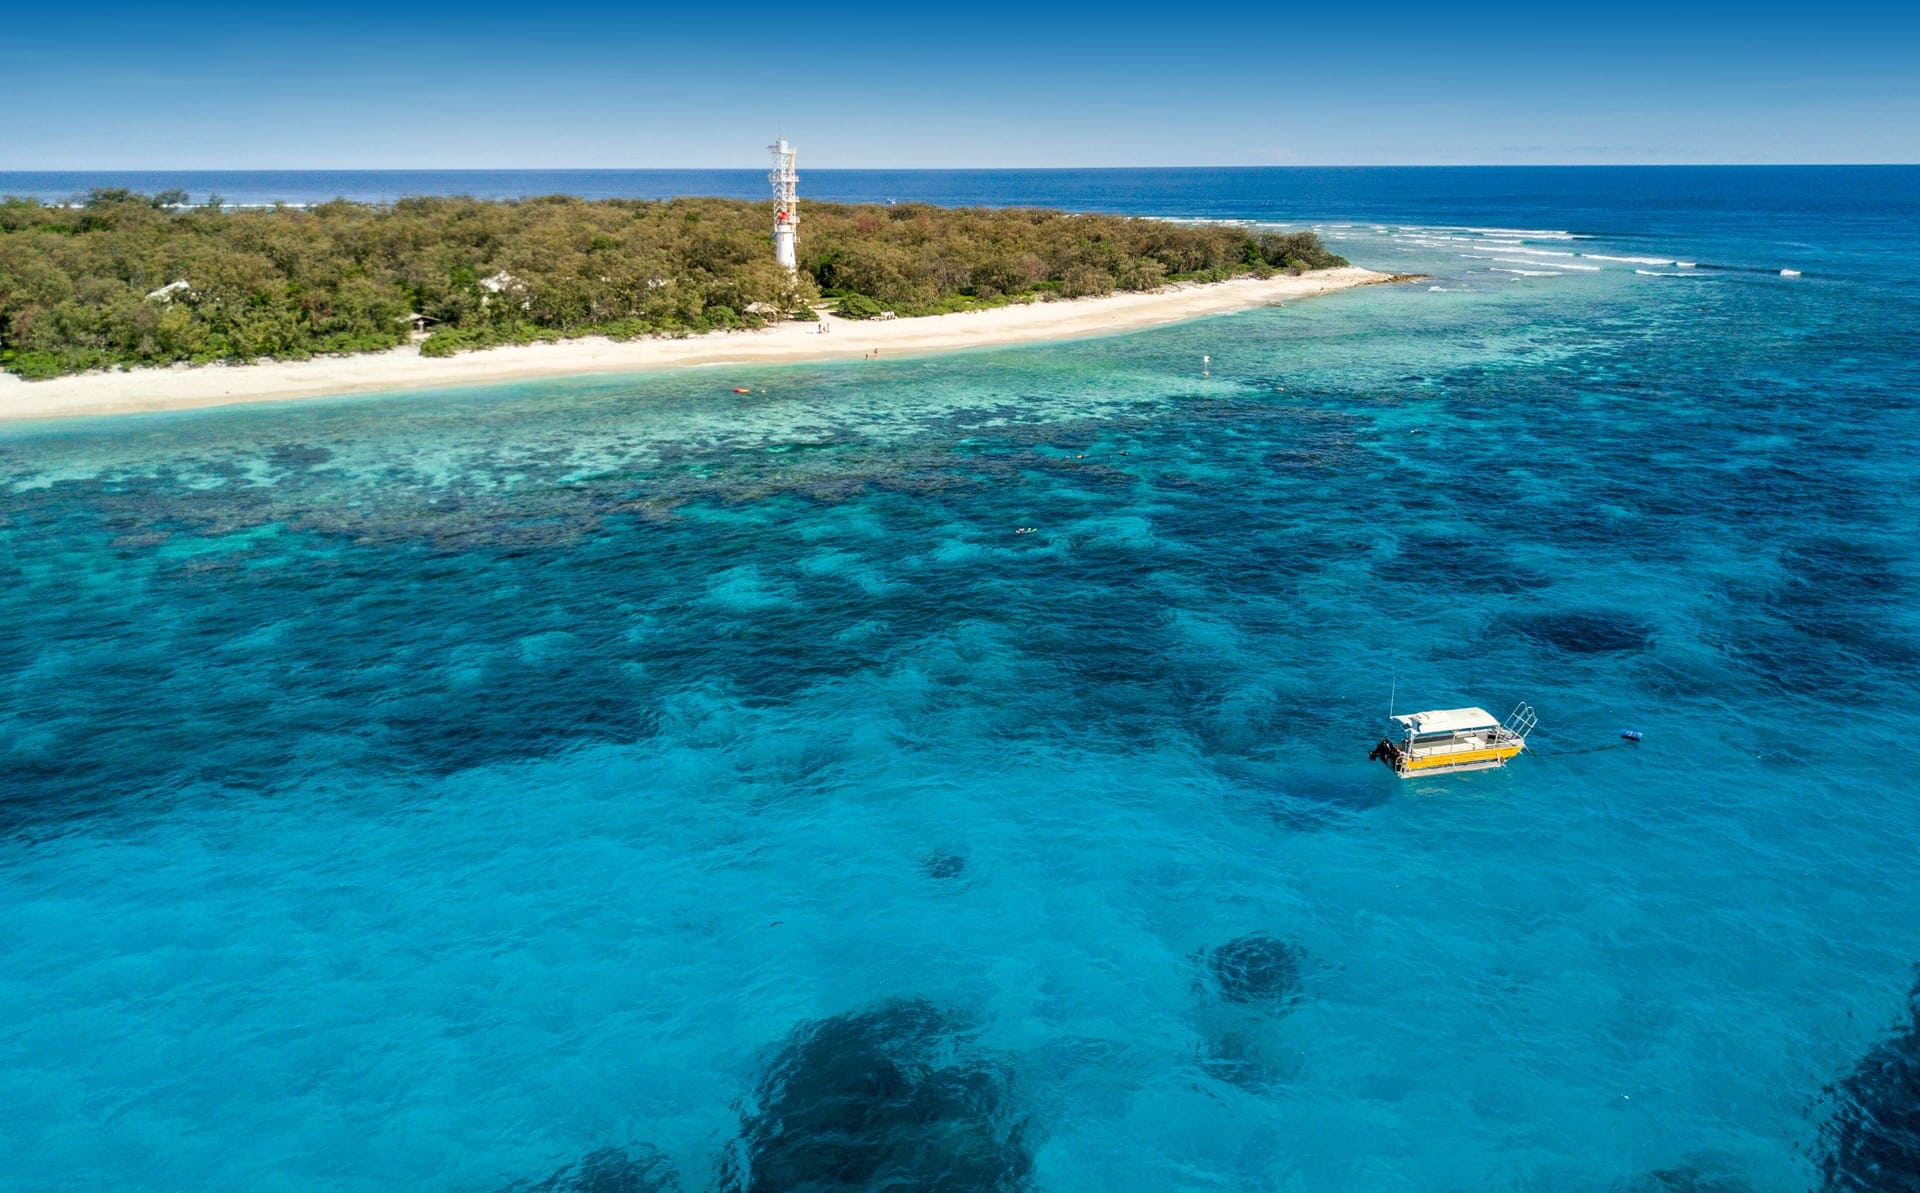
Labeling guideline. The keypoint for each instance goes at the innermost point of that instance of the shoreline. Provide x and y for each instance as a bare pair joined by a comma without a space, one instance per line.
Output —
179,387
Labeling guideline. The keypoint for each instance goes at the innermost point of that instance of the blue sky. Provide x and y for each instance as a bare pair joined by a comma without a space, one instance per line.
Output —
218,86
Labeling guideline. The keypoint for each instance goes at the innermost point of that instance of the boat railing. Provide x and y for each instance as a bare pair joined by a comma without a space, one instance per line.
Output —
1521,721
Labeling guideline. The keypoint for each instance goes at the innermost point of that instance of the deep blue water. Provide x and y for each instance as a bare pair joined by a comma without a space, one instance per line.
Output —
429,791
1597,198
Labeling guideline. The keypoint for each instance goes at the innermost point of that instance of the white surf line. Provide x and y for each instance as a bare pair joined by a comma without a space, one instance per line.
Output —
1554,264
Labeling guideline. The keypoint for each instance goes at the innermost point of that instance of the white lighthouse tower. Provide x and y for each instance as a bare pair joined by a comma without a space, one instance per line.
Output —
786,204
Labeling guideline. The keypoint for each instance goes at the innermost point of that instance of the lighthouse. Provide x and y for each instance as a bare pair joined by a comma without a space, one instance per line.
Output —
786,204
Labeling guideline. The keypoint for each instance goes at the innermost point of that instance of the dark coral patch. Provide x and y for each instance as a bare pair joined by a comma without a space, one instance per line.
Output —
1687,1178
637,1169
1248,985
1319,800
1872,1142
898,1097
943,865
298,455
1588,632
1256,970
1459,562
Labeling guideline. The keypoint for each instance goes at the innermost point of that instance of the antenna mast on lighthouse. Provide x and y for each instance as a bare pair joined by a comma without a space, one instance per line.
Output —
786,204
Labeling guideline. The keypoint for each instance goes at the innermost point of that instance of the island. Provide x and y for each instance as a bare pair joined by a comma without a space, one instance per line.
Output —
99,296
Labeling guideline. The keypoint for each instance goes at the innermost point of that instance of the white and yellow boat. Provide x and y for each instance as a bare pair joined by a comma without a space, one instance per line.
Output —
1454,739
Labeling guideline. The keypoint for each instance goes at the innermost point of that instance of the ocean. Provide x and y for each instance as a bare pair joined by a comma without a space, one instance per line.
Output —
625,780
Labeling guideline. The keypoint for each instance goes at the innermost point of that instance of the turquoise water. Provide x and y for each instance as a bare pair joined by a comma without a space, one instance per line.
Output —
428,792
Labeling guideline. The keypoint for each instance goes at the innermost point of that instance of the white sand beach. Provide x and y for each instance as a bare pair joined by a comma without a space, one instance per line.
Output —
403,368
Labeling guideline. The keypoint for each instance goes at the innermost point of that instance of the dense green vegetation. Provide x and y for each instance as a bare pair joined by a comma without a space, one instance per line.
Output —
128,279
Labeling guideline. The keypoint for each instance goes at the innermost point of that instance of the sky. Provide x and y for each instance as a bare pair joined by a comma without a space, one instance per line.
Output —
216,85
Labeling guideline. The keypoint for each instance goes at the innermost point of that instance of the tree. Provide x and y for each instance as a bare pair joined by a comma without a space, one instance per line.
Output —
75,279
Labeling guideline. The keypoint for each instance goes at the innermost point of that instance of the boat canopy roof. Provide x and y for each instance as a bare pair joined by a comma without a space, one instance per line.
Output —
1448,720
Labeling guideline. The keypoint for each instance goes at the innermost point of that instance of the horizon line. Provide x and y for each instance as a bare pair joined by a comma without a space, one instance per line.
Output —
1676,165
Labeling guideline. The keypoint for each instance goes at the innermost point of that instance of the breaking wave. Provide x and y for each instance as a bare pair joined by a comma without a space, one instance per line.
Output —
1523,233
1554,264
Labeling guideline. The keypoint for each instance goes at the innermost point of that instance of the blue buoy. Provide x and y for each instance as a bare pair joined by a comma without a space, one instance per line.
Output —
1630,734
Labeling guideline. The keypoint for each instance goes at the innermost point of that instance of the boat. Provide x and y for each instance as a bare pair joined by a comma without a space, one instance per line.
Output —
1446,740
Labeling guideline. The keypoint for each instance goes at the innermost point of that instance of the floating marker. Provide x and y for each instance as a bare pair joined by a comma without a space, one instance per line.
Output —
1630,734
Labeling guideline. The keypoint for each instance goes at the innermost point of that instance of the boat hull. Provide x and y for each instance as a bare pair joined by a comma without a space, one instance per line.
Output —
1408,766
1493,760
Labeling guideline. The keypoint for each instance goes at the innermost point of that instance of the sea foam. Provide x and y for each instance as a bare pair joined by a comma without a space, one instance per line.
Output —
1554,264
